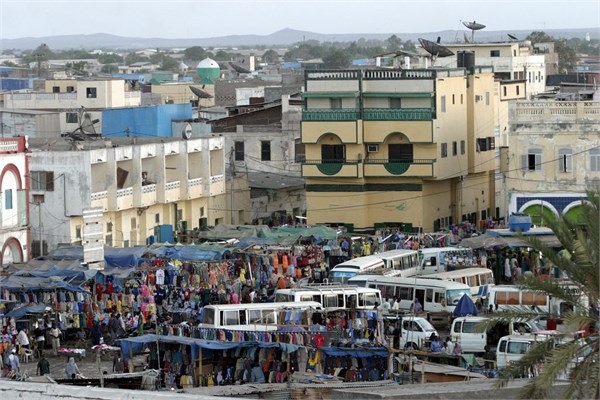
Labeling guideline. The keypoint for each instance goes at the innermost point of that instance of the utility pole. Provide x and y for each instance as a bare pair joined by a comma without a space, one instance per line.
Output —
39,204
232,165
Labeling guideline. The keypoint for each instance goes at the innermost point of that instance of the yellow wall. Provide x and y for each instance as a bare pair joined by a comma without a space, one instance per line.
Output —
181,93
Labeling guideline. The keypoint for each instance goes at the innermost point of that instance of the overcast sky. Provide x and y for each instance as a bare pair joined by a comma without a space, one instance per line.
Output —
203,19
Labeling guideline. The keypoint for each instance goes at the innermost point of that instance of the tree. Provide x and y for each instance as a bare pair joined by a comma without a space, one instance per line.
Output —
394,43
133,57
168,63
579,261
270,56
336,59
110,68
195,53
567,57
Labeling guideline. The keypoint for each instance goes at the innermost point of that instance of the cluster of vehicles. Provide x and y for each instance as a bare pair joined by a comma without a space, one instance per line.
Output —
437,278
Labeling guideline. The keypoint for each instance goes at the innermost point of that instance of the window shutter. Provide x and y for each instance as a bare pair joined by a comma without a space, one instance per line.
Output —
538,162
22,207
121,177
524,163
50,181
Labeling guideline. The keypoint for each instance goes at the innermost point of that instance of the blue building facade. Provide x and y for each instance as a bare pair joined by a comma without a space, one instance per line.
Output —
152,121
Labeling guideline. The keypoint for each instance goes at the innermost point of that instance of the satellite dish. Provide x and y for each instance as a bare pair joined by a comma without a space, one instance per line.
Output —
200,93
186,133
467,39
473,26
239,68
513,37
435,49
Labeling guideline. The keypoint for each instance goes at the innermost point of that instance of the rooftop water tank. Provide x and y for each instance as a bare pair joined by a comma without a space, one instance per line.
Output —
519,222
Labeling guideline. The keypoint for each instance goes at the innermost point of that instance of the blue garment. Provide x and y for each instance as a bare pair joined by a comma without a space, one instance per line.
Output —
436,347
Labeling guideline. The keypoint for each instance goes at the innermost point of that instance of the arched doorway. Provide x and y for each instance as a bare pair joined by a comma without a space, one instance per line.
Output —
12,252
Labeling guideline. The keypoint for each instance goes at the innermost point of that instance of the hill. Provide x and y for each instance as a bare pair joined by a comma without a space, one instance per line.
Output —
284,37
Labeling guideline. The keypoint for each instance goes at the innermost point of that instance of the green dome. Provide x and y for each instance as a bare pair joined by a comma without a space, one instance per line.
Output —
208,70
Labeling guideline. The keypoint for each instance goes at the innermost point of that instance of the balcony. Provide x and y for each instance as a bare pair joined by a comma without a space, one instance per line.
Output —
217,185
173,191
386,169
124,198
99,199
338,114
324,169
194,188
398,114
148,195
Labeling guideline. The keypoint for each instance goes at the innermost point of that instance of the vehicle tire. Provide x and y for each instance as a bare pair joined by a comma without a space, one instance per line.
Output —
411,345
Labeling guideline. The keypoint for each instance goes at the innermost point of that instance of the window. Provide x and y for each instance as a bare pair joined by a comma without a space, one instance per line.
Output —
239,150
70,89
504,90
395,102
518,89
443,103
487,98
482,144
565,160
55,89
333,153
400,152
517,347
265,150
133,223
454,148
42,180
532,161
254,316
90,93
495,53
462,147
453,102
491,142
595,160
72,118
461,99
405,293
157,218
231,317
444,150
335,103
8,199
299,151
78,231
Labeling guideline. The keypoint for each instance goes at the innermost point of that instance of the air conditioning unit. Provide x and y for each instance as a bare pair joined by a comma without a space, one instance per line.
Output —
372,148
478,98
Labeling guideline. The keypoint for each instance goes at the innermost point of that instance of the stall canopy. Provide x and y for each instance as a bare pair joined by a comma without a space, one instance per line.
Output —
491,242
359,352
22,283
80,275
20,312
465,307
135,345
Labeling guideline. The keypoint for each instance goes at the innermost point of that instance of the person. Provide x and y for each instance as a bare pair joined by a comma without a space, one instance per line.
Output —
43,366
13,360
457,349
40,339
96,334
71,369
55,335
417,307
80,336
489,357
449,346
257,375
436,347
22,339
507,269
118,364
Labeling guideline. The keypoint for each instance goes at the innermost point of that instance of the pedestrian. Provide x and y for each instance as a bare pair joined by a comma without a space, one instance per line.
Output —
449,346
417,308
13,360
436,347
22,339
43,366
457,348
507,269
55,334
118,364
71,369
40,339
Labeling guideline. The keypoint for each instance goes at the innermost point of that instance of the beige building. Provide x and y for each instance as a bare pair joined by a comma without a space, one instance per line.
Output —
389,147
552,158
180,93
140,186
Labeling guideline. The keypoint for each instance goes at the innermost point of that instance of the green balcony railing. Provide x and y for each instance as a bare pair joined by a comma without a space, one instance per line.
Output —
330,167
398,114
338,114
398,167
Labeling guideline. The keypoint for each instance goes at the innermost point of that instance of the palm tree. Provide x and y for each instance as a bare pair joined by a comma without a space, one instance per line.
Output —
556,356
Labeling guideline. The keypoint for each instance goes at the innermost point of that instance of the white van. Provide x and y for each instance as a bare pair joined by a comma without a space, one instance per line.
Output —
346,270
511,348
473,337
415,333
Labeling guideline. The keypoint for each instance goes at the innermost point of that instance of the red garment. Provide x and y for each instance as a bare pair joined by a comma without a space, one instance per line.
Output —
109,288
319,340
99,291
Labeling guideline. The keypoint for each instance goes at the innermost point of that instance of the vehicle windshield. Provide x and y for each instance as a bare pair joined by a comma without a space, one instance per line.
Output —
341,276
427,326
452,296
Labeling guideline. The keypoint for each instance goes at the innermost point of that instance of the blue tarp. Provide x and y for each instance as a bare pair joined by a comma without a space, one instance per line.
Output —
464,307
20,312
136,344
123,257
358,352
57,271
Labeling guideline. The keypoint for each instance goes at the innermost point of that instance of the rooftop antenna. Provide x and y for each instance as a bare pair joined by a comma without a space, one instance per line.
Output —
513,37
239,68
435,49
473,26
467,39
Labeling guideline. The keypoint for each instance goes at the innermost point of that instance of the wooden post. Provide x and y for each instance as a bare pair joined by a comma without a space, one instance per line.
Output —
422,373
200,363
98,359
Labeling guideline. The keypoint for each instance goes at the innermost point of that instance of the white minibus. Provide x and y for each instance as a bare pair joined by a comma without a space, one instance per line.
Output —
478,279
332,297
258,316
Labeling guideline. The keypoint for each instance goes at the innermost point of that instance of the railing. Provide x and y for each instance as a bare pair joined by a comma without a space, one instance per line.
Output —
125,192
332,75
339,114
195,182
45,96
9,146
544,111
217,178
101,195
317,162
129,95
172,185
332,167
149,188
20,96
399,167
67,96
398,114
